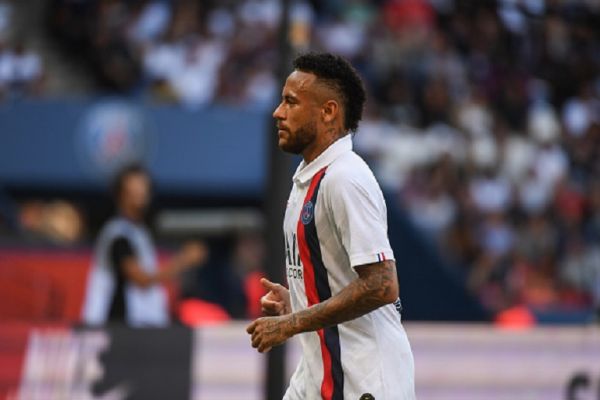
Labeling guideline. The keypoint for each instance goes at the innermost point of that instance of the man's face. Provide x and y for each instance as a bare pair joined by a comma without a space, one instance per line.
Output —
136,192
297,113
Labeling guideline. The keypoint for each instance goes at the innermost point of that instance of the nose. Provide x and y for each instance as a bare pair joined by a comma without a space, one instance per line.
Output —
278,113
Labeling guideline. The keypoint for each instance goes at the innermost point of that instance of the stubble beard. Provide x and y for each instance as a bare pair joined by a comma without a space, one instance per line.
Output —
299,140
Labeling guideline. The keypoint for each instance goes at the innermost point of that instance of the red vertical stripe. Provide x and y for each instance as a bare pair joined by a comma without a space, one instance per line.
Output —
311,289
327,384
309,271
13,350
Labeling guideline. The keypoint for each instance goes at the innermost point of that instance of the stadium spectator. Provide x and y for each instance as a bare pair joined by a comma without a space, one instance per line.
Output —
21,71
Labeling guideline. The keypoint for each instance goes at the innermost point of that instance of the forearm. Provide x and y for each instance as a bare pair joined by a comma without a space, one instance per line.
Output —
168,271
365,294
164,273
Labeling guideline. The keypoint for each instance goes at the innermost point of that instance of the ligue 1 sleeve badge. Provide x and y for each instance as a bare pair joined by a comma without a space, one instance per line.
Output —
307,212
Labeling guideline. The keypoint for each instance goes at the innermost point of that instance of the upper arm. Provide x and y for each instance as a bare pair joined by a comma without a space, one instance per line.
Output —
360,217
380,277
120,250
125,262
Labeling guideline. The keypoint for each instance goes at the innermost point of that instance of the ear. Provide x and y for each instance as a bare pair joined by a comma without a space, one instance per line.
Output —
330,111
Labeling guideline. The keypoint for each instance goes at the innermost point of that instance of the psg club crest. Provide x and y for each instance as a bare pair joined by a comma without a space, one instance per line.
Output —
111,134
307,213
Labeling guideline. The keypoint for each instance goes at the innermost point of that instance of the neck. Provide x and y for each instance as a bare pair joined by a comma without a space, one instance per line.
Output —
130,214
321,143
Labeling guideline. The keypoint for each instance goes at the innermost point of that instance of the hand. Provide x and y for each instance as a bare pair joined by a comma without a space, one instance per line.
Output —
269,331
192,254
276,301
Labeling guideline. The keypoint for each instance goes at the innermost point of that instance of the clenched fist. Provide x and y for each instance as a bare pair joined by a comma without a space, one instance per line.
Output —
267,332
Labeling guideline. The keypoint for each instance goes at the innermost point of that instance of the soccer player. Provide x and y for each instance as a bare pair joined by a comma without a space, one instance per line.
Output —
124,282
343,287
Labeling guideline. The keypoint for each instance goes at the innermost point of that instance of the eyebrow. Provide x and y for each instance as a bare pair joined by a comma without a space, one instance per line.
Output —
289,97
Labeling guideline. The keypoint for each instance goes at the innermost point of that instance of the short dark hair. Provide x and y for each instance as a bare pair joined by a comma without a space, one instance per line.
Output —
341,76
119,179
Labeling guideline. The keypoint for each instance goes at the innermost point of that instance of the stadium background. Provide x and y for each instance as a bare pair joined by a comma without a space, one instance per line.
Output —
482,126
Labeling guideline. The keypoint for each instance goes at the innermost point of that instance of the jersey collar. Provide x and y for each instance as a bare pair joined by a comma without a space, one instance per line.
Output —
305,172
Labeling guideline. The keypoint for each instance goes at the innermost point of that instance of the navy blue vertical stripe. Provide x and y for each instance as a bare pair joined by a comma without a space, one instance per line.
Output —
332,336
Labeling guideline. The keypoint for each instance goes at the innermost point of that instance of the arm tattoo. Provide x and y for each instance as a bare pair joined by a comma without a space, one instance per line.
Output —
376,286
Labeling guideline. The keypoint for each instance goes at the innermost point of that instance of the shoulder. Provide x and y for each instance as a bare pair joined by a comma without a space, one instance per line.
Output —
117,227
350,171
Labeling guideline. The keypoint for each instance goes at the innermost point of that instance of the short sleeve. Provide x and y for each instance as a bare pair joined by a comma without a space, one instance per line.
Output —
120,249
360,218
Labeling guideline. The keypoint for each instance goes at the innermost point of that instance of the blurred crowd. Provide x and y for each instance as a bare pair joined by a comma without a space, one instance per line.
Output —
483,117
190,52
21,69
486,121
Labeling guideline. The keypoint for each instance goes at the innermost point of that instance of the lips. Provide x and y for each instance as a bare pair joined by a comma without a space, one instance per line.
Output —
281,131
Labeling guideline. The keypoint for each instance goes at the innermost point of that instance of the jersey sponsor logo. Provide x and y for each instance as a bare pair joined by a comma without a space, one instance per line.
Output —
307,213
294,272
292,252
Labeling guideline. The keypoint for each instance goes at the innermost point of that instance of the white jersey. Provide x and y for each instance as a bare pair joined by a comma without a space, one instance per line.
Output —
336,219
144,306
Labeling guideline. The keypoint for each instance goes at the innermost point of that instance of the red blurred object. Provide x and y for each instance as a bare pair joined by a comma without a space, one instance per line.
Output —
406,14
518,317
13,348
254,291
49,285
195,312
570,204
42,285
